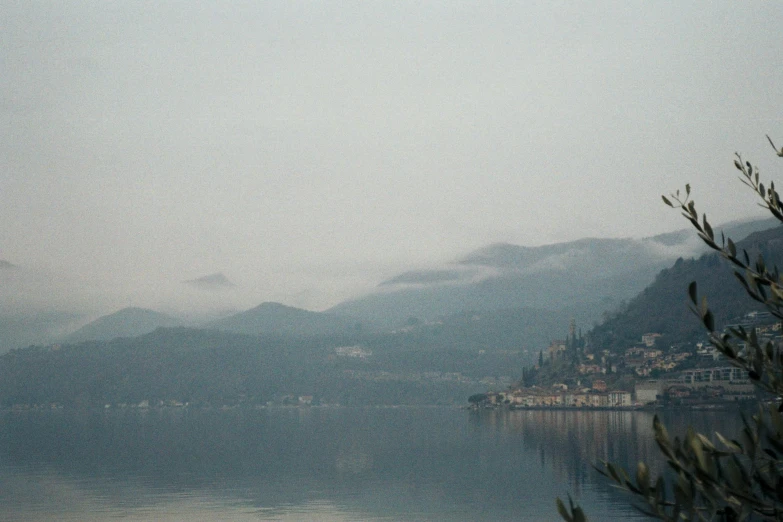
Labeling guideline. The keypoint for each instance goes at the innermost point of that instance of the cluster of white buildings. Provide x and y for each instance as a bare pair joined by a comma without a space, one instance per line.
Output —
558,397
353,351
725,382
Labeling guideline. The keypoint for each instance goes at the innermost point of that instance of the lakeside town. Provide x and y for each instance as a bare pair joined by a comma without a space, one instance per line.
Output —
573,374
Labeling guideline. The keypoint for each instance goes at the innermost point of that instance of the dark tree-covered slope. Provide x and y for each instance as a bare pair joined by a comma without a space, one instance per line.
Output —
662,307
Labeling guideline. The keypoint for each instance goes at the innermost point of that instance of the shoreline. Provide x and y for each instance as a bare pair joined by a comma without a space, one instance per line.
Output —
727,406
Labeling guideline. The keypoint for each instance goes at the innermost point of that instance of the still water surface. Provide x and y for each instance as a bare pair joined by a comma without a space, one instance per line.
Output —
321,464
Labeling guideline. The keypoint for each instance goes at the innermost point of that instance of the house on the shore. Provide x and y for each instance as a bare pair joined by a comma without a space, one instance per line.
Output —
540,398
648,391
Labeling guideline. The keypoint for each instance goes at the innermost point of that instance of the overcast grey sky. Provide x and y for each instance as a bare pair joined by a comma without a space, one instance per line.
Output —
309,150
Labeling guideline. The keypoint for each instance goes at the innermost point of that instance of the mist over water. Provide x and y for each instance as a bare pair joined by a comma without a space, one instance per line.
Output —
343,464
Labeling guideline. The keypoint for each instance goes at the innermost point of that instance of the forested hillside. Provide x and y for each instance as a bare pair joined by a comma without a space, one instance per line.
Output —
215,368
663,306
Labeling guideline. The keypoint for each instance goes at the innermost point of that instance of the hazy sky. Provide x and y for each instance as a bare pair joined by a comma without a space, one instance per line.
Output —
309,150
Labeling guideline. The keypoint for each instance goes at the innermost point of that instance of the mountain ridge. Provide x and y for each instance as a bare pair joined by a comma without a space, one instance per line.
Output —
272,318
590,276
127,322
663,306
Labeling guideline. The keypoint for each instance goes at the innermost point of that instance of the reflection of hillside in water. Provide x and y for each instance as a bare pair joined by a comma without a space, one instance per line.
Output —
570,442
401,464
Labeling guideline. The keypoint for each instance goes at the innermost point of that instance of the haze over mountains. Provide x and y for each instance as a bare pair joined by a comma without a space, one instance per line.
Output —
581,279
542,287
275,354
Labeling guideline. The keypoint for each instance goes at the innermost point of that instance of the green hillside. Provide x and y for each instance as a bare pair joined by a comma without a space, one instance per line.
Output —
662,307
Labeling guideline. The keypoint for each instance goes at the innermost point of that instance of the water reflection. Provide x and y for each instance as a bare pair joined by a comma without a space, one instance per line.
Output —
318,464
569,443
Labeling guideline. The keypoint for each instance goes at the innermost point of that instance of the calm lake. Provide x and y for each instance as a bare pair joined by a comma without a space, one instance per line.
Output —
325,464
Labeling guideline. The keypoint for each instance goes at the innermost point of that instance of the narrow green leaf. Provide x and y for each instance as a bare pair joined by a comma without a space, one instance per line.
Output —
707,443
579,515
732,472
732,248
562,510
707,227
731,446
692,291
643,477
613,472
760,264
709,321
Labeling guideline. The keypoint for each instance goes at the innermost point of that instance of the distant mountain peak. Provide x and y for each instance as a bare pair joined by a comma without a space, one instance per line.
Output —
280,319
127,322
214,281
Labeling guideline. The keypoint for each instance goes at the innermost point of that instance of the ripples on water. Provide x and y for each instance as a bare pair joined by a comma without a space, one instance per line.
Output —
407,464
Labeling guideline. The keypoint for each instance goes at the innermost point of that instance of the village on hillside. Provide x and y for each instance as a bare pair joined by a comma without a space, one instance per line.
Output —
572,373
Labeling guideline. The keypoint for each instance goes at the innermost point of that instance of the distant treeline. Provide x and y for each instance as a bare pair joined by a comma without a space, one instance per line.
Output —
209,367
